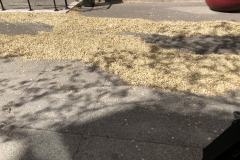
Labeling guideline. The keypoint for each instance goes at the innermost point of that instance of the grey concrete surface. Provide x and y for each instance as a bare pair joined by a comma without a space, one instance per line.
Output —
162,11
23,28
126,94
161,120
142,123
37,144
72,110
16,65
110,148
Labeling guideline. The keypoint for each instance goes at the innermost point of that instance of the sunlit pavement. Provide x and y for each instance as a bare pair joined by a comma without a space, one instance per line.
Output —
161,11
73,110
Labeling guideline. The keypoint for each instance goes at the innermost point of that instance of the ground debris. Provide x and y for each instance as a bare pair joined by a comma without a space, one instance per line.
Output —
74,37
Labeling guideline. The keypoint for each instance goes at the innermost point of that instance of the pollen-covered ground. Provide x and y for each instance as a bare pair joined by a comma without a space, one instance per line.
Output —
99,41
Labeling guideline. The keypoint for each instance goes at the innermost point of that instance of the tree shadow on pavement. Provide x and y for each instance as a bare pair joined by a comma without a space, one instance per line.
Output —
75,110
197,44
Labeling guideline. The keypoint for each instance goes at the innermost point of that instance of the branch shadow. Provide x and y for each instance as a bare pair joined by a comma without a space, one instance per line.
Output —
80,114
197,44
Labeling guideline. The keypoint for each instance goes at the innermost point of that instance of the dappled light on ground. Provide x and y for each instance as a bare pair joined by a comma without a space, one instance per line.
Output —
99,41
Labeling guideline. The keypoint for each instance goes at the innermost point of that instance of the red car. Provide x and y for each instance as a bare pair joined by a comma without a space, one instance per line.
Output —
224,5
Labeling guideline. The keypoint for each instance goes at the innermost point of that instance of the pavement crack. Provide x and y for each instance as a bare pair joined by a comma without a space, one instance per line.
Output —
150,142
43,71
77,150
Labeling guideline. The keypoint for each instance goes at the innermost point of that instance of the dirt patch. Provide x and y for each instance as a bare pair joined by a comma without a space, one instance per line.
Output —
98,41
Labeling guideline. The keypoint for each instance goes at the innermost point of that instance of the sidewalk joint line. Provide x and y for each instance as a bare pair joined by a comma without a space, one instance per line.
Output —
144,141
42,129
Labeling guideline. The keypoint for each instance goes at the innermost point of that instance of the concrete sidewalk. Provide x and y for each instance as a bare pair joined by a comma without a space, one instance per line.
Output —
72,110
162,11
65,109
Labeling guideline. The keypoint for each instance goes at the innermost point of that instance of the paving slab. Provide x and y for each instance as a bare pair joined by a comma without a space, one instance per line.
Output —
15,79
49,112
69,80
143,122
15,64
70,92
204,129
208,118
160,11
148,115
218,107
17,82
110,148
71,73
127,94
37,144
24,28
51,104
17,75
